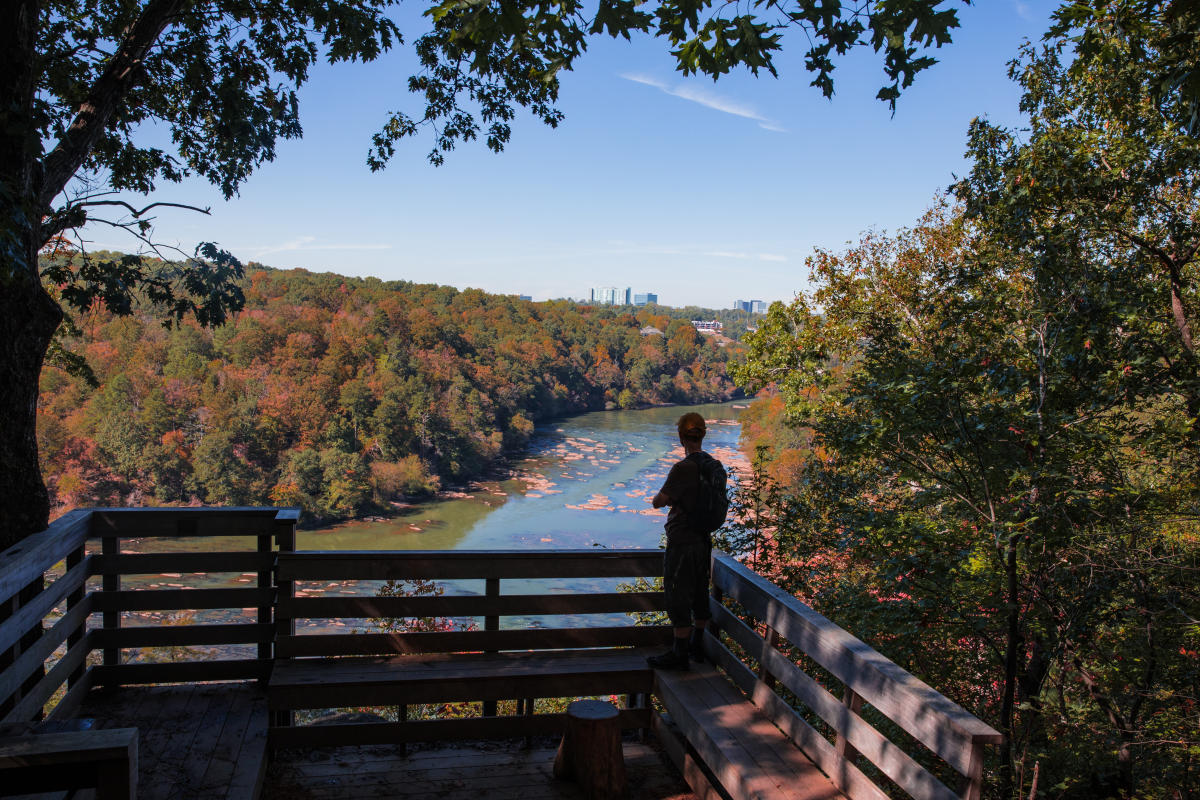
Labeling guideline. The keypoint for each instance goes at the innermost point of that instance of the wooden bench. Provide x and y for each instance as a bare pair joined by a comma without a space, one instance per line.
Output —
447,678
104,760
397,669
747,754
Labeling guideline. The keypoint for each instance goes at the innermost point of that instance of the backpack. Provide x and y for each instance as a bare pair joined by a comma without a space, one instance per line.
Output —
712,501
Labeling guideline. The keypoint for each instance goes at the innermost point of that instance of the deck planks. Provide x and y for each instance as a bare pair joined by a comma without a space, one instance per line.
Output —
196,740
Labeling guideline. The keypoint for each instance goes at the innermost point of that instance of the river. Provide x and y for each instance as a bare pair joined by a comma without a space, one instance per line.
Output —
584,481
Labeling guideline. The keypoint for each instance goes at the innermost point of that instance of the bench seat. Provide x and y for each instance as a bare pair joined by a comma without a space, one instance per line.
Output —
453,677
105,760
748,754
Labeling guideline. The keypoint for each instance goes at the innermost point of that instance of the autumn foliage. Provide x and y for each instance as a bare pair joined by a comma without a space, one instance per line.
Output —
341,395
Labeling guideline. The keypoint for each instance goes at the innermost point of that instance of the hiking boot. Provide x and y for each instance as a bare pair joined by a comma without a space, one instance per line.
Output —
668,660
696,651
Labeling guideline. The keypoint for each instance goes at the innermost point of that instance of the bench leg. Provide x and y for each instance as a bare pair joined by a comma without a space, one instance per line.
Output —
117,779
402,716
525,708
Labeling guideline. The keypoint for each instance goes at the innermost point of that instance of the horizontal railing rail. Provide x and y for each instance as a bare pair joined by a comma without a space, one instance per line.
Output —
956,736
471,605
468,564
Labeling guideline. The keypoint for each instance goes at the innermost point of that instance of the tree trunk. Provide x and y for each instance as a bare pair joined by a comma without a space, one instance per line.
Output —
590,752
28,319
1012,648
28,316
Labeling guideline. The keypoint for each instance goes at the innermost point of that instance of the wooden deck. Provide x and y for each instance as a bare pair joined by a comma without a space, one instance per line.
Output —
468,771
196,740
201,739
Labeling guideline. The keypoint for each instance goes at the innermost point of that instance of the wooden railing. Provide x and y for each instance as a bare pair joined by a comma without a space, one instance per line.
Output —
385,634
776,620
458,565
42,611
30,672
49,610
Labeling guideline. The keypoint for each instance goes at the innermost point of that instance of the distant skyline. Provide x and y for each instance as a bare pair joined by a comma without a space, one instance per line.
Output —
705,191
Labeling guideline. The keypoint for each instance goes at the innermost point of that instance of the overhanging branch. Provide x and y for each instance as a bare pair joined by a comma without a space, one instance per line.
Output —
91,119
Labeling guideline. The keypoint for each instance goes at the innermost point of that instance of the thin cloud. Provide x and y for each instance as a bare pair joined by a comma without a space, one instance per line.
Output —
306,243
708,99
745,256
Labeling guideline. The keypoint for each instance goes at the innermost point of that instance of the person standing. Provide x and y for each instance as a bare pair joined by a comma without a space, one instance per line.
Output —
695,491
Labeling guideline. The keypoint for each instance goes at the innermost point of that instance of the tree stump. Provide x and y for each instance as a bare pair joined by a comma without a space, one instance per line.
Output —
590,752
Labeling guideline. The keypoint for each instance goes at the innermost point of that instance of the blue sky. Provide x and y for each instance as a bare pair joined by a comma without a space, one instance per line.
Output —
701,192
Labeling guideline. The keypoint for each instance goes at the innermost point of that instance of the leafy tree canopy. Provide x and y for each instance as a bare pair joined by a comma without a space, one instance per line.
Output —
1002,405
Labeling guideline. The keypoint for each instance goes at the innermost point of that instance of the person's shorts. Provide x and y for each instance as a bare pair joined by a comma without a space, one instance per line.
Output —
686,572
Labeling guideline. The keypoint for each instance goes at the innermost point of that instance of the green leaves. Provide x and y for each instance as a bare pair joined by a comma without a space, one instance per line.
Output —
1000,463
484,59
205,287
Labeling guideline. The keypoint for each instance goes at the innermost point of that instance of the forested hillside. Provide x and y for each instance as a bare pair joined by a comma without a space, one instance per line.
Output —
341,394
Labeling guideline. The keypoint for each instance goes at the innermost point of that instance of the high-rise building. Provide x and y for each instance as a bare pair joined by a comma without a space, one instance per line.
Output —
752,306
642,299
611,296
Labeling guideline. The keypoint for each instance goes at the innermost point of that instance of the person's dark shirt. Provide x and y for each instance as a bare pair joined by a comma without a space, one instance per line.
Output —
682,487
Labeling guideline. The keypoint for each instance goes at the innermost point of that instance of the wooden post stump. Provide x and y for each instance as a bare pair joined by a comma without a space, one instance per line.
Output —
590,752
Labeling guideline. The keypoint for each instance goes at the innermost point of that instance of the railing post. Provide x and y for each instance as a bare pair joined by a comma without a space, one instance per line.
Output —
491,622
973,779
770,642
110,545
265,581
74,559
718,597
852,701
285,592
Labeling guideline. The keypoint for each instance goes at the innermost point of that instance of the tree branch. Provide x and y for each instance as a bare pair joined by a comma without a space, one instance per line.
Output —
121,74
136,213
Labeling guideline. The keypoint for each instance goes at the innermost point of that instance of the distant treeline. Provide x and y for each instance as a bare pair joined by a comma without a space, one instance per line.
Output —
342,394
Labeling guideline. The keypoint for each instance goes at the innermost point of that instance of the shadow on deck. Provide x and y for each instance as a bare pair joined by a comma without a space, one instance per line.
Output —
201,741
464,771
